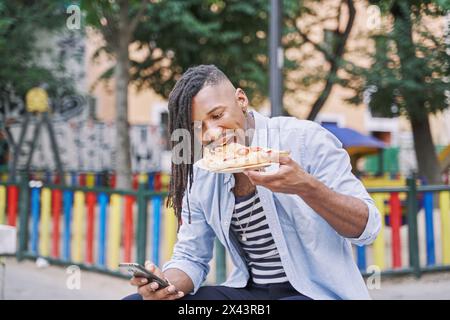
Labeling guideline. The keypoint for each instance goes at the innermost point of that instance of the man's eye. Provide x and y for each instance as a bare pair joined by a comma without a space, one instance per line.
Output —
217,116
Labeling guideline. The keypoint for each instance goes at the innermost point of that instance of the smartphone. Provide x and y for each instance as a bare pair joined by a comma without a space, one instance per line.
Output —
137,270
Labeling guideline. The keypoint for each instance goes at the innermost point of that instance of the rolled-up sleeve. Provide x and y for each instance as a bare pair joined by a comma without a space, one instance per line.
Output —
194,247
326,160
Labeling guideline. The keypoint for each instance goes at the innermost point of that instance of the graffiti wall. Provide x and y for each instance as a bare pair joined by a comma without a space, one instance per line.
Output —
86,145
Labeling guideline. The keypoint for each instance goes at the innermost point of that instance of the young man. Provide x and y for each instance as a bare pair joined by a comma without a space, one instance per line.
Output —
288,230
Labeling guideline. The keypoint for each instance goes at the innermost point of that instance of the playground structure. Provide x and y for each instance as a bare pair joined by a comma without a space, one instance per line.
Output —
98,227
80,218
389,162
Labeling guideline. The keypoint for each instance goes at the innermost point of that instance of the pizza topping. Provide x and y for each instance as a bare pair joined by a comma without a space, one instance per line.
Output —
243,151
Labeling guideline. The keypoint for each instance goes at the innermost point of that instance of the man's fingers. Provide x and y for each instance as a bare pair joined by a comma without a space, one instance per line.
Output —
253,176
172,293
138,281
178,295
153,292
171,289
168,293
154,269
146,291
284,160
261,177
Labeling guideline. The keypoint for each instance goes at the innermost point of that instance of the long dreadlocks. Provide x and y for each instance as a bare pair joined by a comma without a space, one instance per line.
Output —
180,117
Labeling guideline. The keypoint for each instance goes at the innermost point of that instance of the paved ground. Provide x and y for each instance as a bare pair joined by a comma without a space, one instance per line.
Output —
27,281
433,286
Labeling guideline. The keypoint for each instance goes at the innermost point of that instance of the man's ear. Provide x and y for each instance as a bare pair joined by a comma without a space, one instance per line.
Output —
241,98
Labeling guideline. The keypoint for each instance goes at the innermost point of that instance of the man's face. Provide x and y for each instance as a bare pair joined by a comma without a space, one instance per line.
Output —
218,114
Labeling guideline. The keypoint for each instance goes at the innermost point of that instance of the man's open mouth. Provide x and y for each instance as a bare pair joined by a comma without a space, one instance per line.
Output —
222,141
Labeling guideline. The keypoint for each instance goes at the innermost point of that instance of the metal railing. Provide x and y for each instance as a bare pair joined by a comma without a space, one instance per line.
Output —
123,225
118,218
418,200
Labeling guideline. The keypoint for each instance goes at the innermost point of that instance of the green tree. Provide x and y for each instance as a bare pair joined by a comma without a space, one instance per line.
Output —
117,22
409,74
328,20
230,34
20,63
177,34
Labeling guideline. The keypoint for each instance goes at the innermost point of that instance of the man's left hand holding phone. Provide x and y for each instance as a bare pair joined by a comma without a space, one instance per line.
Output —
151,290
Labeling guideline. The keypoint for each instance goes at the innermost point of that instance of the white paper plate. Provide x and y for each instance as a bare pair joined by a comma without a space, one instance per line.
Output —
201,165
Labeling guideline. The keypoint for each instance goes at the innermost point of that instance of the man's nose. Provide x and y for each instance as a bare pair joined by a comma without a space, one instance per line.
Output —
211,134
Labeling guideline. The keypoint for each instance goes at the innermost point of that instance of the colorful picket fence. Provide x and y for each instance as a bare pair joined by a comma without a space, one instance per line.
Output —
91,226
155,181
100,227
408,240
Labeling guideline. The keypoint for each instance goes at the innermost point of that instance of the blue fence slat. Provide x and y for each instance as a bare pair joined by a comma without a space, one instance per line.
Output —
67,205
428,204
156,202
361,258
103,202
98,179
35,197
74,179
48,177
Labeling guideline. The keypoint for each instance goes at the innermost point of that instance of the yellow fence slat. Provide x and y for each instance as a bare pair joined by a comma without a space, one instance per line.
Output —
143,177
78,226
90,180
170,231
114,228
2,205
44,233
444,205
165,181
378,245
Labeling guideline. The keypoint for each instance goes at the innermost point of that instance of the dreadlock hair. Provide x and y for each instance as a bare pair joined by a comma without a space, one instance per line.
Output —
180,117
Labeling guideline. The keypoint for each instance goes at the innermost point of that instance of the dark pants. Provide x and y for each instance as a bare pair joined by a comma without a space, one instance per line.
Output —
280,291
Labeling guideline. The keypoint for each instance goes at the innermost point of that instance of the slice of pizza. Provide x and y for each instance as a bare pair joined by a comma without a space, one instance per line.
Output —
235,155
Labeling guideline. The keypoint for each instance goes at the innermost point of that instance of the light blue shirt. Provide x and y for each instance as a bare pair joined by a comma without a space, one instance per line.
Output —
317,260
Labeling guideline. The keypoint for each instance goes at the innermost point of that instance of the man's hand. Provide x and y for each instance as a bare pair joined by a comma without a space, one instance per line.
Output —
290,178
152,291
346,214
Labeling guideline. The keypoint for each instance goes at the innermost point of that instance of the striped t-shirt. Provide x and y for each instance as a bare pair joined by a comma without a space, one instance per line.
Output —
256,240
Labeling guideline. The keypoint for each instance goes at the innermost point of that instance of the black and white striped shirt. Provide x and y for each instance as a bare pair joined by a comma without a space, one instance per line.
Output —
257,241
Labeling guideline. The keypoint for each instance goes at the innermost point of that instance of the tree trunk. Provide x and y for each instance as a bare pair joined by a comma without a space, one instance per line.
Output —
338,52
122,77
320,101
427,160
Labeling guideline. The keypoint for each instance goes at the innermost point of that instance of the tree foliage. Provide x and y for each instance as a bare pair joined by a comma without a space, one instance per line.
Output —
21,67
410,72
405,67
177,34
